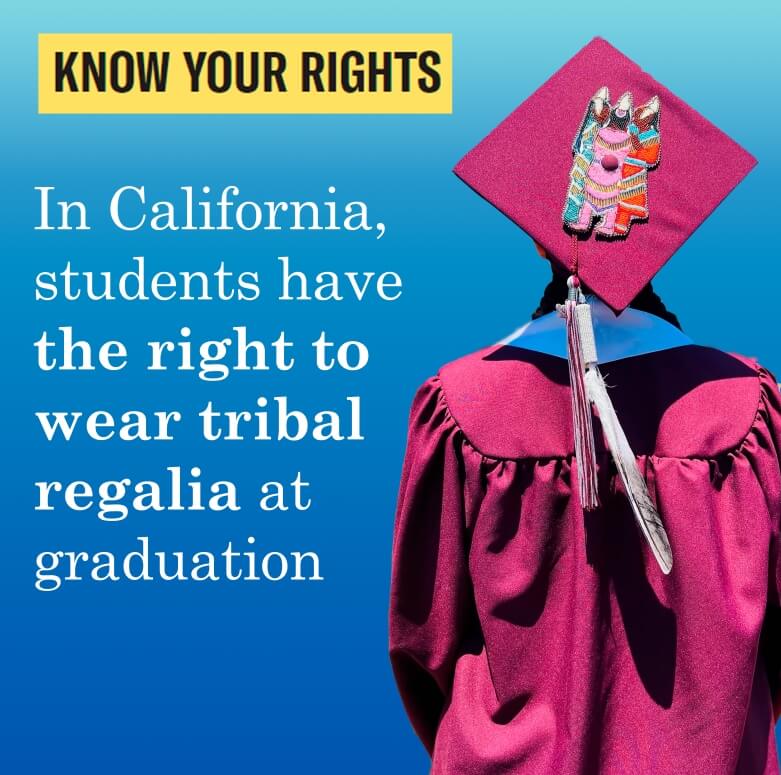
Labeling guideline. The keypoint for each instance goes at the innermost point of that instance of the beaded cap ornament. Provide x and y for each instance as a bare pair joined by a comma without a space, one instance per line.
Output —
613,151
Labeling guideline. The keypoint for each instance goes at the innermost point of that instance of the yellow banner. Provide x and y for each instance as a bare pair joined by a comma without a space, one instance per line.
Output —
245,73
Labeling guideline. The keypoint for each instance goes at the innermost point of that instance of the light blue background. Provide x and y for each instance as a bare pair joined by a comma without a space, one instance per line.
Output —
294,679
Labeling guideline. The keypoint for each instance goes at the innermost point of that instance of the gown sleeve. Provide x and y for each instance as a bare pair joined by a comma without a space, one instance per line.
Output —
431,594
770,411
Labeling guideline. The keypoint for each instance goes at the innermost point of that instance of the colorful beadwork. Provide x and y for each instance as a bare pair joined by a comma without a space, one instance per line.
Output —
613,151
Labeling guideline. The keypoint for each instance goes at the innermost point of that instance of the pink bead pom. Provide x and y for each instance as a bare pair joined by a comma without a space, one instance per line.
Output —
609,162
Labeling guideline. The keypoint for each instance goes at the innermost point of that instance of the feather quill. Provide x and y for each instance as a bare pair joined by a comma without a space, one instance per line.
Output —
644,510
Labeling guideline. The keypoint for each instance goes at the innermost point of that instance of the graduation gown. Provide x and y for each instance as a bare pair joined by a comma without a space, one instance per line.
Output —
528,637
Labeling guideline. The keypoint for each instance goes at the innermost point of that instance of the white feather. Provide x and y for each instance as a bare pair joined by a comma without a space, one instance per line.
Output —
644,510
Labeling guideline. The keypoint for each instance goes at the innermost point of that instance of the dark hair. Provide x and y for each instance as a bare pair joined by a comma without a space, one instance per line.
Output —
646,301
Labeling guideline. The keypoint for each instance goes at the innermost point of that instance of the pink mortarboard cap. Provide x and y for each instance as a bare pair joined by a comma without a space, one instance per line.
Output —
607,170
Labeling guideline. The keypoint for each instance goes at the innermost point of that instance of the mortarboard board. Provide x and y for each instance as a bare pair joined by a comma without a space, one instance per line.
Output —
605,166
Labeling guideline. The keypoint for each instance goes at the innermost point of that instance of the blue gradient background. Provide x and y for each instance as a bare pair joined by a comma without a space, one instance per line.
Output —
290,678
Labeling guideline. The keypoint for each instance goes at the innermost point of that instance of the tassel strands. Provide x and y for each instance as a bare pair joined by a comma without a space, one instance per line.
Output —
583,426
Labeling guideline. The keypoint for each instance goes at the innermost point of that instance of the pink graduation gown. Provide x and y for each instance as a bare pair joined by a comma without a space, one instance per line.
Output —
527,637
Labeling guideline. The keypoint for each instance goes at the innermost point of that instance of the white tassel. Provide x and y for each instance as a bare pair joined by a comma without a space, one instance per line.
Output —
582,422
644,510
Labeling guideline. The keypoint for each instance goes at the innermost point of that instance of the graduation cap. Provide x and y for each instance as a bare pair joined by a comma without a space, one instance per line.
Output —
605,154
610,173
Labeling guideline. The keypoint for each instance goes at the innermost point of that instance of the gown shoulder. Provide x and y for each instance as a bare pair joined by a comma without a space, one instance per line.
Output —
688,402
